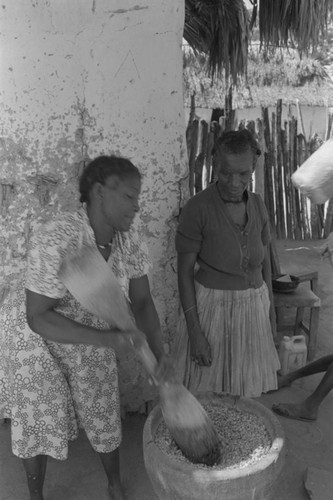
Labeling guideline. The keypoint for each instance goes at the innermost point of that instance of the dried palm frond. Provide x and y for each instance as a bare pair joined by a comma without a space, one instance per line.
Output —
301,22
219,28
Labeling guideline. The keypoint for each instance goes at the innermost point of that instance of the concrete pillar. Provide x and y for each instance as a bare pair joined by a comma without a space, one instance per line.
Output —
84,78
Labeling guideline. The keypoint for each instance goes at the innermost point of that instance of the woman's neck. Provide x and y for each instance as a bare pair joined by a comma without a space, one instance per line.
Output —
228,199
104,233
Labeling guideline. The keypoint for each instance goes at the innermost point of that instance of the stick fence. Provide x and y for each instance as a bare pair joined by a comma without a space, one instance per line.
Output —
284,148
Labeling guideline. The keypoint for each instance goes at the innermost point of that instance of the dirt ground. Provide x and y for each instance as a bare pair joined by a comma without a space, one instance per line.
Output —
309,445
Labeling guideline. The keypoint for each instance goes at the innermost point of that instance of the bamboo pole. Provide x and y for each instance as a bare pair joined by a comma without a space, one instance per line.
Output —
201,156
229,111
259,173
286,180
192,146
300,119
328,219
222,125
305,213
299,228
215,129
317,211
250,126
268,162
321,219
294,202
275,176
192,109
208,164
329,124
280,209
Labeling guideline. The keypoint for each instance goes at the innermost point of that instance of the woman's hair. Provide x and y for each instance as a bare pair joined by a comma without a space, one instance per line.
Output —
236,142
100,169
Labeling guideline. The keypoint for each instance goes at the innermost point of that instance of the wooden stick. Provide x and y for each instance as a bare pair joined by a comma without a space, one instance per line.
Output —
92,282
279,184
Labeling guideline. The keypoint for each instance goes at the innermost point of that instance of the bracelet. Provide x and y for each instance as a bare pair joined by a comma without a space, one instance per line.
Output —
190,308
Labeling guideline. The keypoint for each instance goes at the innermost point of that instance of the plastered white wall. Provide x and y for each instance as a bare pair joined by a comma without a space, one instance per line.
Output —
83,78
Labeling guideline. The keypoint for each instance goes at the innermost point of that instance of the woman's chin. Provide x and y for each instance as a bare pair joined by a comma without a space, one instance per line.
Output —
126,226
234,199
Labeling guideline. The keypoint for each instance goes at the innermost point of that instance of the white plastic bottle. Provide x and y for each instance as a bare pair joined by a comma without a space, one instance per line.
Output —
292,353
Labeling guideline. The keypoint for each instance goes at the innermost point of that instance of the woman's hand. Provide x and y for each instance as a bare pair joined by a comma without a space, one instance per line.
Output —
134,338
122,340
165,370
161,370
200,349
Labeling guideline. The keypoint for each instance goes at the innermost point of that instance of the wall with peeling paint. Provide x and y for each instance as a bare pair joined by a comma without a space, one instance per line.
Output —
79,79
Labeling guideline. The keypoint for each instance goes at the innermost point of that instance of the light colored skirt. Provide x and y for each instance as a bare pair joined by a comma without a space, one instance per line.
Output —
237,326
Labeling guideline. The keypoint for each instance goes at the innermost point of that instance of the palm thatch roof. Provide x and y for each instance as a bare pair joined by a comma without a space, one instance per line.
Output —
221,28
301,22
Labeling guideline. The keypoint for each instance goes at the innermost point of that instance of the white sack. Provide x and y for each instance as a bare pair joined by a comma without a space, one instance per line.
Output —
314,178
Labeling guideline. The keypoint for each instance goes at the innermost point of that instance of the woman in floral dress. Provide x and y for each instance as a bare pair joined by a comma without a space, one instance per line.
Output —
58,369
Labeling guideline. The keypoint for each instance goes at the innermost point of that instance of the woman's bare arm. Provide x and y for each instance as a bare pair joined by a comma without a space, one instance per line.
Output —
145,314
185,270
200,349
267,277
49,324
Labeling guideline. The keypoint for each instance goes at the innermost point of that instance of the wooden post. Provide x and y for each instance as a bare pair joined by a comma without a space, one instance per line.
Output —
294,202
328,219
299,229
192,146
215,129
329,124
300,119
192,109
259,173
268,166
304,212
287,182
251,128
275,176
280,210
208,164
200,159
229,111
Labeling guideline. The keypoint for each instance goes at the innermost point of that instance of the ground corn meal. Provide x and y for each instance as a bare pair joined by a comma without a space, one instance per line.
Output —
244,438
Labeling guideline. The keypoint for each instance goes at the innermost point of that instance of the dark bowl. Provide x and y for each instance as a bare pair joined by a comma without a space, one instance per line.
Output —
285,286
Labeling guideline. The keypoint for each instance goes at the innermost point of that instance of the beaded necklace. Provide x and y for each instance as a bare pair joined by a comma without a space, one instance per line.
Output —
104,247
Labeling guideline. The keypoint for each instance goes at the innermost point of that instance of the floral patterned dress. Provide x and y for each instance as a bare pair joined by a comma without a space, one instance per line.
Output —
50,390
